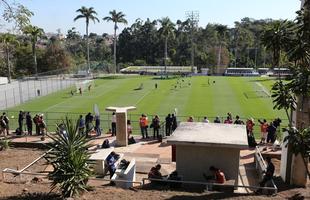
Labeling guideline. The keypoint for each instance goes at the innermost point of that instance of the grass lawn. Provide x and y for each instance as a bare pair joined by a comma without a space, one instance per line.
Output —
194,96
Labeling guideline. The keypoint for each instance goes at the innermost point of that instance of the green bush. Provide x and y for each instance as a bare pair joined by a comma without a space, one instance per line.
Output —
69,157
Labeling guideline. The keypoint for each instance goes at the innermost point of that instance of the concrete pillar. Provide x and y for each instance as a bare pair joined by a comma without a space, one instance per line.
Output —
121,129
121,124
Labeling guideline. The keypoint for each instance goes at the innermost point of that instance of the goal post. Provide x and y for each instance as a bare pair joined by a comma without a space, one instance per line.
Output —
83,85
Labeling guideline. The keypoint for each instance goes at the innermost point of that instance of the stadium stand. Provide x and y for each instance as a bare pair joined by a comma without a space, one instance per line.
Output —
241,72
157,70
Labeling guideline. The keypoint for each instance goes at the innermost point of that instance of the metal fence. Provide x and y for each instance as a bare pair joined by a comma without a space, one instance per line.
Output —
22,90
52,118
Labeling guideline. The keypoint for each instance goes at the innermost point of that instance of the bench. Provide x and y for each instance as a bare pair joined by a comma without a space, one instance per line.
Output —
128,175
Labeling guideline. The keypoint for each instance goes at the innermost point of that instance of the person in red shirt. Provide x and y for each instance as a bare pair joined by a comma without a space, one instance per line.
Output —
263,130
228,120
249,126
190,119
218,176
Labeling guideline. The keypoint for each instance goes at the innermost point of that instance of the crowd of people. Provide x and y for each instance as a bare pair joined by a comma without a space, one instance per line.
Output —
86,126
268,130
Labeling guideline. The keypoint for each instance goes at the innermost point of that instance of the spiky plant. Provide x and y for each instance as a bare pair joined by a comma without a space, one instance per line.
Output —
69,157
4,144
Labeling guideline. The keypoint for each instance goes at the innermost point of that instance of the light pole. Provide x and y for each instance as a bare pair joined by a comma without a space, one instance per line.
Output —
193,17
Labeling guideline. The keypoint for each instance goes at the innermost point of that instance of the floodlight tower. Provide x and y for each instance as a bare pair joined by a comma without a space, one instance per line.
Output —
193,17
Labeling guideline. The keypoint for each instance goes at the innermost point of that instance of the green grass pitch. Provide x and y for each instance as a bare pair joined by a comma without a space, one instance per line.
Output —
193,96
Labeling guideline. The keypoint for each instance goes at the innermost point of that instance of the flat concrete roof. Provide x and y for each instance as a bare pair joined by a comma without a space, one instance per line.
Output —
209,134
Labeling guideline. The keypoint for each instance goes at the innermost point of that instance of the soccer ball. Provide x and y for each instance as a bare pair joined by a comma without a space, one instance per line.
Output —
12,117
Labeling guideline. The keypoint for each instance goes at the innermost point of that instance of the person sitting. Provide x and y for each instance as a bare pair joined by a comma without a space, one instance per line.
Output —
174,177
228,120
268,174
111,160
218,176
155,172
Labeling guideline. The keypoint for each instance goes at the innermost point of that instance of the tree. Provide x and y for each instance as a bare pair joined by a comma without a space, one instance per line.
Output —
9,41
34,32
115,17
166,31
69,158
221,31
276,37
300,143
88,14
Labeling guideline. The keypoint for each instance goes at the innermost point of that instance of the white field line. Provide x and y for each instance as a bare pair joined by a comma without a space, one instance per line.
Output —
142,98
263,88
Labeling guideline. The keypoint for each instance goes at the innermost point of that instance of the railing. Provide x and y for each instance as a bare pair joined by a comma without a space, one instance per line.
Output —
52,118
209,184
261,166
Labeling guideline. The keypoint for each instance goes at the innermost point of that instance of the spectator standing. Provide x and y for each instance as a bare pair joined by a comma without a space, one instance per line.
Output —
2,126
143,122
238,120
205,120
113,124
129,128
7,122
217,120
228,120
174,124
190,119
156,125
29,123
263,130
42,125
97,125
271,133
168,124
20,121
81,125
36,123
89,122
250,126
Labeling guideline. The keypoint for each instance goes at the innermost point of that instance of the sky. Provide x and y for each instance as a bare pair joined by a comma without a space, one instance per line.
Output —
59,14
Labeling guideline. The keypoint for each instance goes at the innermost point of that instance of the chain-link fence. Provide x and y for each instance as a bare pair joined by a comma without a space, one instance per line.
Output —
26,89
52,118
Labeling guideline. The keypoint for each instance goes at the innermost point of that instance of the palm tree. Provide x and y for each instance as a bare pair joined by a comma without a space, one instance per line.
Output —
115,17
88,14
276,37
166,31
9,42
34,32
221,31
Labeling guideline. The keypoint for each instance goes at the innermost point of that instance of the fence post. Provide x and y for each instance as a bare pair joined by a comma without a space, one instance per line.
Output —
6,101
14,96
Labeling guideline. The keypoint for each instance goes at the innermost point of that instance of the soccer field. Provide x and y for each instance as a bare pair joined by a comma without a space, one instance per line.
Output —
193,96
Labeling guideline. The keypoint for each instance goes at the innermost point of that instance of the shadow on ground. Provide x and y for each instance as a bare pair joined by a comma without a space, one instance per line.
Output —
34,196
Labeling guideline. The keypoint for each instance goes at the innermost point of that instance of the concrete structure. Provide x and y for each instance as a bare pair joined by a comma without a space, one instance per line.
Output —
99,158
201,145
121,124
129,174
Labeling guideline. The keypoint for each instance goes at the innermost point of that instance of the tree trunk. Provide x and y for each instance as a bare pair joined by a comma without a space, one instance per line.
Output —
219,56
302,112
34,53
8,62
166,54
87,41
114,49
299,172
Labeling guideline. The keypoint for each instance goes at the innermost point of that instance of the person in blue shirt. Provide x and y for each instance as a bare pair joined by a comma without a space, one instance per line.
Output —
111,160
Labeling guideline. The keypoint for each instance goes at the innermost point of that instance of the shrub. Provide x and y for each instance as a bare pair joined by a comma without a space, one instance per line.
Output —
69,157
